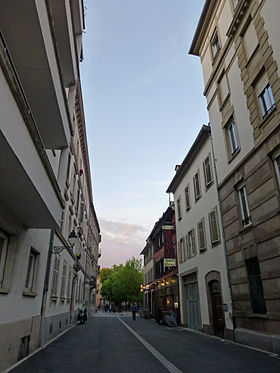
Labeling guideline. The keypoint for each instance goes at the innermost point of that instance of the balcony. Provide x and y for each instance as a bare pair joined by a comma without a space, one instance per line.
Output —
25,189
61,14
28,38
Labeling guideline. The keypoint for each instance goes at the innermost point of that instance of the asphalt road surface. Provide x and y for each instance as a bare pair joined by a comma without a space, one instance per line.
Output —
115,343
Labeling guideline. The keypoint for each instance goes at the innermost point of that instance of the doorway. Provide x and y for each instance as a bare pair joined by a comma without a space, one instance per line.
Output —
193,312
217,308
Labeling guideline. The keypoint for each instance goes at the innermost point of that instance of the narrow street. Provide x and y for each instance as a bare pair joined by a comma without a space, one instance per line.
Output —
115,343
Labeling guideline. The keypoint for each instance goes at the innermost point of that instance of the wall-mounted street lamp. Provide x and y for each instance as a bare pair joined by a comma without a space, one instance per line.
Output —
72,239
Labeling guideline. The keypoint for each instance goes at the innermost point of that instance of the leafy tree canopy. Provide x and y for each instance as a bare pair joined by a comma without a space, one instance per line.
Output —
121,283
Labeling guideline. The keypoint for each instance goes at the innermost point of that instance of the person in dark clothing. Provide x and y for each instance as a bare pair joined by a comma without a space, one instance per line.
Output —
84,310
159,315
133,310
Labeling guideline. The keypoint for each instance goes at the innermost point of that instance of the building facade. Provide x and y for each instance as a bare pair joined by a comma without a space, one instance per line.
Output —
205,301
238,45
45,183
148,269
160,261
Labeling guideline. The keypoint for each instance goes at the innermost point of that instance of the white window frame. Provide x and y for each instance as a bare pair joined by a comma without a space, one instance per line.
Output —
56,265
179,208
63,279
266,101
187,197
208,183
3,256
201,223
276,162
182,250
31,273
214,240
232,137
246,216
191,243
195,183
215,44
68,294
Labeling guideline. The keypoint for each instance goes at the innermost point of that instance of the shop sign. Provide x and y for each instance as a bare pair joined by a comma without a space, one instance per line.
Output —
167,227
169,262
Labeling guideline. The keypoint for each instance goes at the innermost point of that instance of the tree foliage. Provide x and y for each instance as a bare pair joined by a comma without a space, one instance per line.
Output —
121,283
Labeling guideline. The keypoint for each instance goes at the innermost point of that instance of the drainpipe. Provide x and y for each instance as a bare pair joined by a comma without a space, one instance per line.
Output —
47,278
222,229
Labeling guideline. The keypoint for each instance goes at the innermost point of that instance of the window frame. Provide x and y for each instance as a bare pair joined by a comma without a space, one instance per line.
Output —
256,286
182,250
63,280
3,257
178,202
56,265
191,251
277,167
31,273
199,185
187,194
69,279
232,125
209,183
244,218
266,97
218,240
201,248
215,44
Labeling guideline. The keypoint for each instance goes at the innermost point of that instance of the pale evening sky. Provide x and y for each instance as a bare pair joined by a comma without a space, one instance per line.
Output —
144,107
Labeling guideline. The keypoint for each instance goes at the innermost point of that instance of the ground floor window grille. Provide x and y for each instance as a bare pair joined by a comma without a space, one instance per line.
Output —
256,287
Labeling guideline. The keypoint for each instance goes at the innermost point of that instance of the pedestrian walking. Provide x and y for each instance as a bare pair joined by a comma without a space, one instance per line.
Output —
84,311
158,315
133,310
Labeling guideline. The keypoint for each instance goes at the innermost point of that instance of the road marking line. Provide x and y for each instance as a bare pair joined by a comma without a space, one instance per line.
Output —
166,363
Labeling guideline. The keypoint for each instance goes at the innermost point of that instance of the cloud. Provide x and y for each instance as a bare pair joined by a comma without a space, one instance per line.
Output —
120,241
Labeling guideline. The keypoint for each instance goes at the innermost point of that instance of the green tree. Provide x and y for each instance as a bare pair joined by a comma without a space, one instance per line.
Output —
122,283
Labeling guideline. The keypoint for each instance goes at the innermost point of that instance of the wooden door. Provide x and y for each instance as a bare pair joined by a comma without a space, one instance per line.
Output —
217,308
193,310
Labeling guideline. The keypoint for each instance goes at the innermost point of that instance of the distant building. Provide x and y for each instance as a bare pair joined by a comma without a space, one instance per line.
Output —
205,301
238,44
160,266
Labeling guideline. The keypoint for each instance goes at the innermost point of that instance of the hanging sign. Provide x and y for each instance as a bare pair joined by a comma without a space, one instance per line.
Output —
169,262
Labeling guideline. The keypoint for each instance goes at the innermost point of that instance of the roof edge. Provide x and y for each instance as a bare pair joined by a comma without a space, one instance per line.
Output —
196,42
205,130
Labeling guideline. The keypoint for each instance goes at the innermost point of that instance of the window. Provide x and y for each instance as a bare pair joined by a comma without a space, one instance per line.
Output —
196,184
244,207
277,167
207,168
3,256
255,284
69,282
182,250
223,88
68,167
232,137
266,100
214,226
187,197
250,40
215,44
191,243
201,235
235,3
179,209
63,280
55,275
69,223
31,271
